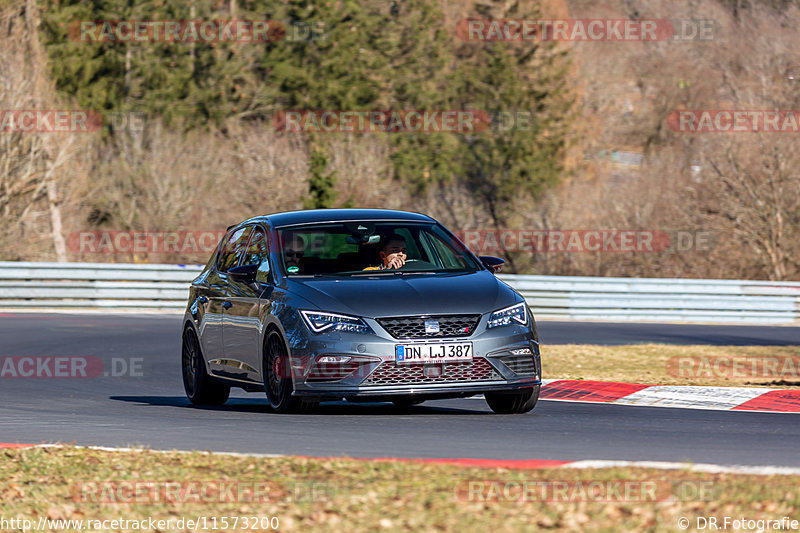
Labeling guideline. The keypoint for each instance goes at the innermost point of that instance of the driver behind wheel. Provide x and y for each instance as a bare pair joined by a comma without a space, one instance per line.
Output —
393,254
294,248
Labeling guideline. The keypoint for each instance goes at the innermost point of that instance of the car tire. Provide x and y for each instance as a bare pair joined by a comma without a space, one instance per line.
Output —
512,403
278,384
406,402
201,389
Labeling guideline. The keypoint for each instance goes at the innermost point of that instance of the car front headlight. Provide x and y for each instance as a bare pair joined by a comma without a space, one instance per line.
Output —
320,322
516,314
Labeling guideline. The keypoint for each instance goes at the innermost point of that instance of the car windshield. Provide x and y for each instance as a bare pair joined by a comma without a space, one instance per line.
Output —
363,248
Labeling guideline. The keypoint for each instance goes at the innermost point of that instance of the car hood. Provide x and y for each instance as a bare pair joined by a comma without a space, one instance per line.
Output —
409,294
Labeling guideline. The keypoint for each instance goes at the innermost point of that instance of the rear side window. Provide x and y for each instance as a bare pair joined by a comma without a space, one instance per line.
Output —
233,248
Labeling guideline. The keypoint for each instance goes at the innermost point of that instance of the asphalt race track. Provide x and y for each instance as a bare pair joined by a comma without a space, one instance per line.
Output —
147,406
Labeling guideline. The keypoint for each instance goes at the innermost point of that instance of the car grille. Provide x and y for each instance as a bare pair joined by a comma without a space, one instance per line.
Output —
390,373
413,327
522,365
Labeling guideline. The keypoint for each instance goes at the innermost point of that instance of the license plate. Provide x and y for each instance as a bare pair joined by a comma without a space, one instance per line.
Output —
444,352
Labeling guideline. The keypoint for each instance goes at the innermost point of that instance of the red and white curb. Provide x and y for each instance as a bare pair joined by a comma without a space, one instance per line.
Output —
514,464
685,397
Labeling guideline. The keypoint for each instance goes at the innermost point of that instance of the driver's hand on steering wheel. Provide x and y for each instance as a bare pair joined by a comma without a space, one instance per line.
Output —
395,259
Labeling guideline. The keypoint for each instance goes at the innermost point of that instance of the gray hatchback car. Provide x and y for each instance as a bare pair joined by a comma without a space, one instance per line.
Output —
366,305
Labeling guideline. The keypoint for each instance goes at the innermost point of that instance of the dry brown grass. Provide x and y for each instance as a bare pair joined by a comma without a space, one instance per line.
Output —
666,364
342,495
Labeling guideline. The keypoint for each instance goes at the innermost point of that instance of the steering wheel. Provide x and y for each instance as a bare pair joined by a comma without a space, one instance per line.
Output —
409,261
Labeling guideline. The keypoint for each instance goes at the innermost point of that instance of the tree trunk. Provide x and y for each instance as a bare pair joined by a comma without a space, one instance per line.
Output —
55,217
32,23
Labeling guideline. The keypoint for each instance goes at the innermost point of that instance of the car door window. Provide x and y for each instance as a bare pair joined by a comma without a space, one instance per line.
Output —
233,248
257,248
257,253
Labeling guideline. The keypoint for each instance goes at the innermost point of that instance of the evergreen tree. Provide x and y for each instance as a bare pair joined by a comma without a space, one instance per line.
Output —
506,82
336,55
320,185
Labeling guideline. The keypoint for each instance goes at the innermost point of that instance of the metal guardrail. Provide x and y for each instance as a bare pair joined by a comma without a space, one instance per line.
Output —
657,299
95,285
126,286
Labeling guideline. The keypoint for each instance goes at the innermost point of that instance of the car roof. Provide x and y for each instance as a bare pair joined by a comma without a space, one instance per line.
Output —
291,218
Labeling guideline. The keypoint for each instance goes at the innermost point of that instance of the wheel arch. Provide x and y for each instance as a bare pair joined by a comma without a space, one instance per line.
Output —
189,323
272,324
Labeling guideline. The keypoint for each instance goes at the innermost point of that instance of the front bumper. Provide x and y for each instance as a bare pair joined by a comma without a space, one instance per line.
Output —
448,390
495,368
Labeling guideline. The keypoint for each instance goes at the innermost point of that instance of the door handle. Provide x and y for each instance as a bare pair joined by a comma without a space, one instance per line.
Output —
202,300
227,305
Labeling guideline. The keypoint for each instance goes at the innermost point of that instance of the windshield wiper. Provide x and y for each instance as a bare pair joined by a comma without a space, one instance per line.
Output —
318,275
395,272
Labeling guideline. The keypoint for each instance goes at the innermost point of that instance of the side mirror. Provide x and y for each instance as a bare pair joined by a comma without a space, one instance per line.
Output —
244,273
495,264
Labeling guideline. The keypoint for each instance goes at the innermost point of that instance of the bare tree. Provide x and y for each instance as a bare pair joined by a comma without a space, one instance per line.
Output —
32,164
